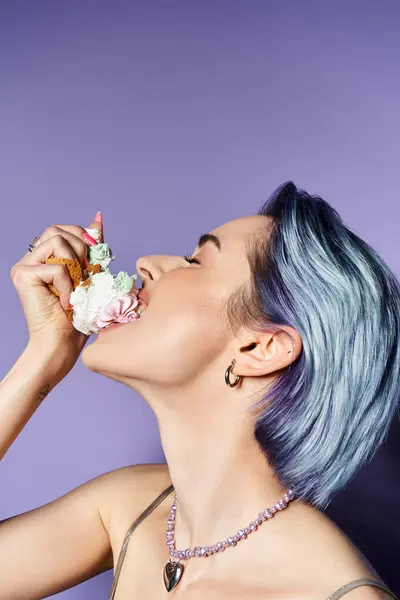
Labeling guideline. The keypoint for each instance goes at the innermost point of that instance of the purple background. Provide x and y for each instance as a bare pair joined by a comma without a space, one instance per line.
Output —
173,118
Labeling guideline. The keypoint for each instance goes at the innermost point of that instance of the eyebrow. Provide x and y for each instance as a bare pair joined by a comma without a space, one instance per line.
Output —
209,237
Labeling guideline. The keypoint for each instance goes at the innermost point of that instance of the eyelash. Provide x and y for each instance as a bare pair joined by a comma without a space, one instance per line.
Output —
191,260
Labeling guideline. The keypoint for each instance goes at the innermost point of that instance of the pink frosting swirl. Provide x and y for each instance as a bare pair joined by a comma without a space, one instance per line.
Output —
119,310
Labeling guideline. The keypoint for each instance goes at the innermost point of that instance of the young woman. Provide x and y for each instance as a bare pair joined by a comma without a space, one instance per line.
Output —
271,360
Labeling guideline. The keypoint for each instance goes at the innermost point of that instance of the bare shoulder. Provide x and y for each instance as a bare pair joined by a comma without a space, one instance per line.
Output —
326,559
127,491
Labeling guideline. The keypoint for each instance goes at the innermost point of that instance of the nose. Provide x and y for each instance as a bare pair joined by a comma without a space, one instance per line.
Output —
145,267
154,266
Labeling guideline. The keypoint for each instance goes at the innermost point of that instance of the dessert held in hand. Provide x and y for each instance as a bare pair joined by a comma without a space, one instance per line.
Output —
99,298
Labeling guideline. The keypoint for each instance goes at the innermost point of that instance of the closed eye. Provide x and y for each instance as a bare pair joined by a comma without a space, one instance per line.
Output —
191,260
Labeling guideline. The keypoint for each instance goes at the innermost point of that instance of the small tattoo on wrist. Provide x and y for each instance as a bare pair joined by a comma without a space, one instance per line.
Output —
45,391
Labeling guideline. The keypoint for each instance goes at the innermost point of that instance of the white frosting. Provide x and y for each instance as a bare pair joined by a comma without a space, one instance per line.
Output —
89,300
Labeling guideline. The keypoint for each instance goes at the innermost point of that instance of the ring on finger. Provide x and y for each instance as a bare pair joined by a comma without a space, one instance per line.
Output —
32,243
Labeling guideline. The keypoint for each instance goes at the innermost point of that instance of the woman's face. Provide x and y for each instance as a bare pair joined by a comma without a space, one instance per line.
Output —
184,330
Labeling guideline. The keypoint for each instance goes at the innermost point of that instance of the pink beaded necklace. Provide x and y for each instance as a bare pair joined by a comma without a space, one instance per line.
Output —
173,570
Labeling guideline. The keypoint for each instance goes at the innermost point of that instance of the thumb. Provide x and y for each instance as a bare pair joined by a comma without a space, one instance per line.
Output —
97,223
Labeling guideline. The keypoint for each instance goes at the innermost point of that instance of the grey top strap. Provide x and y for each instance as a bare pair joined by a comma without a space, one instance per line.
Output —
131,529
357,583
335,596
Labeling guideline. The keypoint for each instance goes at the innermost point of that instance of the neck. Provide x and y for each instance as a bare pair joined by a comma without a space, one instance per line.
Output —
221,477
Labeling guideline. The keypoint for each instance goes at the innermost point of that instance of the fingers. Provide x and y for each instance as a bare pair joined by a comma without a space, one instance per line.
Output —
74,229
72,233
60,241
25,276
62,245
75,235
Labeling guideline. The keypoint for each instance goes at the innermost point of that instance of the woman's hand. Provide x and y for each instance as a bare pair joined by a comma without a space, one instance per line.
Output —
48,324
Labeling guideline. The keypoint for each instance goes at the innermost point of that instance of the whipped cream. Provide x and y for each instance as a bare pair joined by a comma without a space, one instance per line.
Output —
105,298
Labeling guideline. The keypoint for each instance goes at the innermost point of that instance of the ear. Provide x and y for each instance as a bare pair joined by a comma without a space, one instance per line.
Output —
268,352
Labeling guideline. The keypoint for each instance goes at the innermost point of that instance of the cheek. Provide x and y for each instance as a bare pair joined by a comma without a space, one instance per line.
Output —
182,331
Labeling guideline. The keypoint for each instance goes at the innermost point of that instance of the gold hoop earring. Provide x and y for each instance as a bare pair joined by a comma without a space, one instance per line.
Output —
227,374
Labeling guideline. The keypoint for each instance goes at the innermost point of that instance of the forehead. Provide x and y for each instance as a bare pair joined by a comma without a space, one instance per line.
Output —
235,233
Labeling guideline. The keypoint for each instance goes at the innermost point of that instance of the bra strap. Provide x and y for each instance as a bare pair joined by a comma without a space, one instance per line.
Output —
359,582
131,529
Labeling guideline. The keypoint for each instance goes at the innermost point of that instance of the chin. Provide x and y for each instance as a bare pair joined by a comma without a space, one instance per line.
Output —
98,360
103,354
90,357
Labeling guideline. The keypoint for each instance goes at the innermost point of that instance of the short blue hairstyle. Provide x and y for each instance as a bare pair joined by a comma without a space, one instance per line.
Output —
327,413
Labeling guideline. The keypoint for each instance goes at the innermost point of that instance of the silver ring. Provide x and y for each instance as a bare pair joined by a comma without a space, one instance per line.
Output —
32,243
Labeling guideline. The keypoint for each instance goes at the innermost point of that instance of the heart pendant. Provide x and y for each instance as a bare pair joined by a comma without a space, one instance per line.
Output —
173,572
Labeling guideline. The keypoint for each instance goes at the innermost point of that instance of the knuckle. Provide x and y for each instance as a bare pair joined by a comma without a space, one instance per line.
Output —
51,231
16,274
59,239
60,270
61,274
76,230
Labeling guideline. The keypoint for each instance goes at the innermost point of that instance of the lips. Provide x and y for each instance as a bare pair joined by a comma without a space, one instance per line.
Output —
143,298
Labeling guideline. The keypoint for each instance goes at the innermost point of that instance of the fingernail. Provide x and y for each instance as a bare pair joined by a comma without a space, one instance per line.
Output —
89,240
99,218
85,263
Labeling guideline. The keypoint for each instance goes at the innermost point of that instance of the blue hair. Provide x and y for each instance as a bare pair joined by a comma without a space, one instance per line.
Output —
327,413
